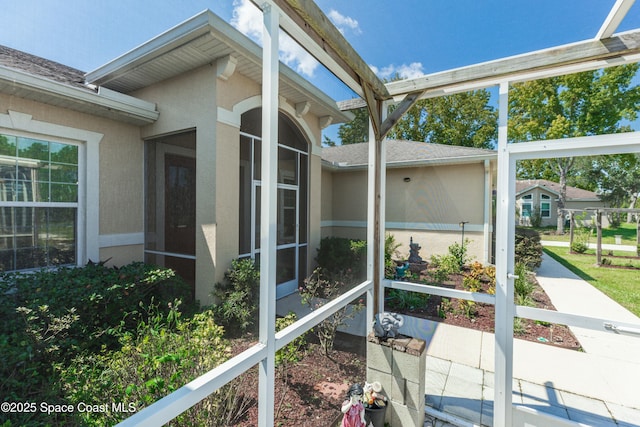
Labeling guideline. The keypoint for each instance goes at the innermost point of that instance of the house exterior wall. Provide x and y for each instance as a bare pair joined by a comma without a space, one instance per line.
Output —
551,221
213,107
116,174
428,208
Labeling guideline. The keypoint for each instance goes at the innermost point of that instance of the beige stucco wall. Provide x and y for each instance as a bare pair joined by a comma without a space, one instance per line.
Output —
427,208
120,173
192,101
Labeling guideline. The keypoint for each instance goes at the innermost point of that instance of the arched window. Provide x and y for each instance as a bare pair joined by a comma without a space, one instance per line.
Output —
293,166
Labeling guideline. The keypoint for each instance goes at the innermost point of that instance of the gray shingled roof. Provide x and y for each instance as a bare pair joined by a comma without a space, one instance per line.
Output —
400,152
573,193
38,66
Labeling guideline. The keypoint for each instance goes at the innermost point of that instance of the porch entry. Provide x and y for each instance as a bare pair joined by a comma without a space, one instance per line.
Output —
292,242
170,209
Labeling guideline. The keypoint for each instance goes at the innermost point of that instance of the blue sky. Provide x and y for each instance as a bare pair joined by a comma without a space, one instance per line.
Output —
411,37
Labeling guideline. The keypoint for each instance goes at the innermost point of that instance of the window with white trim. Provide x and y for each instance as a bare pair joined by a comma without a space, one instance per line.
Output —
545,206
38,203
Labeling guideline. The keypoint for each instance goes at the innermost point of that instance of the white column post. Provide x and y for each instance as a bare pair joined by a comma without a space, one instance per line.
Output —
503,411
268,213
371,206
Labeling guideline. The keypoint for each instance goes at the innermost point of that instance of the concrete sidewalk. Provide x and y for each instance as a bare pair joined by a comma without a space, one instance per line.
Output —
598,387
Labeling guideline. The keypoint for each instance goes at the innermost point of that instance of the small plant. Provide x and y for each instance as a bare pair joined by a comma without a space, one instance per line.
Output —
316,291
444,307
518,326
468,308
238,297
523,286
459,252
290,353
581,241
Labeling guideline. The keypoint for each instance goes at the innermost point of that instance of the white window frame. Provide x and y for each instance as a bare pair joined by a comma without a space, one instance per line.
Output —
545,199
88,142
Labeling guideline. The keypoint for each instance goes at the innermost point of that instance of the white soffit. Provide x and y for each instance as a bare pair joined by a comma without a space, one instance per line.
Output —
196,42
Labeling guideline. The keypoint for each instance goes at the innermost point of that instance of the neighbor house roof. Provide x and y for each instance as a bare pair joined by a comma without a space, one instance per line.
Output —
401,153
573,193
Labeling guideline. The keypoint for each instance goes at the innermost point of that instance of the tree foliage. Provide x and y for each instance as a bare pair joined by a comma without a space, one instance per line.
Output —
588,103
464,119
357,130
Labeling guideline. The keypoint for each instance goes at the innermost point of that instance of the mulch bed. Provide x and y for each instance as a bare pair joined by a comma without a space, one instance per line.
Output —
484,319
310,392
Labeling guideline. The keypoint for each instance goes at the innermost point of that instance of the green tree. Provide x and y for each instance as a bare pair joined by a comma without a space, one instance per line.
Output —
618,178
357,130
464,119
582,104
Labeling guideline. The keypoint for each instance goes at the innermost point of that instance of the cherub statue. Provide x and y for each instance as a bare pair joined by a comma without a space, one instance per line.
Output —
352,408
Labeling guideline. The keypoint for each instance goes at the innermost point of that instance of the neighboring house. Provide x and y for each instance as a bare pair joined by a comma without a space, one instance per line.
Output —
155,156
538,199
431,189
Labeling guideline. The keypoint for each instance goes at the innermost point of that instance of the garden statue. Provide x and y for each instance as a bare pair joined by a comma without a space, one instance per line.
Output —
401,271
353,408
386,325
414,258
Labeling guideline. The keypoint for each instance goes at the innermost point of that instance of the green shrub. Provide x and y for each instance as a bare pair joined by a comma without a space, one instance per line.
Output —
166,353
399,299
523,286
338,254
390,250
528,249
237,297
580,242
51,316
459,252
292,352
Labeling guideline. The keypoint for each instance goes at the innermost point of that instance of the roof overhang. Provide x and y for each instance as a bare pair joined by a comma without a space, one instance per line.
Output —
206,39
102,103
441,161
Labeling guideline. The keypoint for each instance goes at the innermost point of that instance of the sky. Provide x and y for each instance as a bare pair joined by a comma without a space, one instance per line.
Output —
409,37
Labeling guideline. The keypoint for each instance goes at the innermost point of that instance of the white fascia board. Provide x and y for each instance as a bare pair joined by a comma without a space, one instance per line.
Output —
413,163
188,30
124,104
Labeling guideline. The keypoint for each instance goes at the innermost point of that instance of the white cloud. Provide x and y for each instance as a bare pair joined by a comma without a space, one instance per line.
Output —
343,22
410,71
247,19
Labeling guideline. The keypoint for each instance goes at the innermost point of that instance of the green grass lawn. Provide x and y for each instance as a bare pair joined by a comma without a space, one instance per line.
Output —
626,230
621,285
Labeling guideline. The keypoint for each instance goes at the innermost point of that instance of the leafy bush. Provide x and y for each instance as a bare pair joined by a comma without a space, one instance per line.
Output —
290,353
164,354
528,249
580,242
51,316
399,299
237,297
390,250
523,286
338,254
459,252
